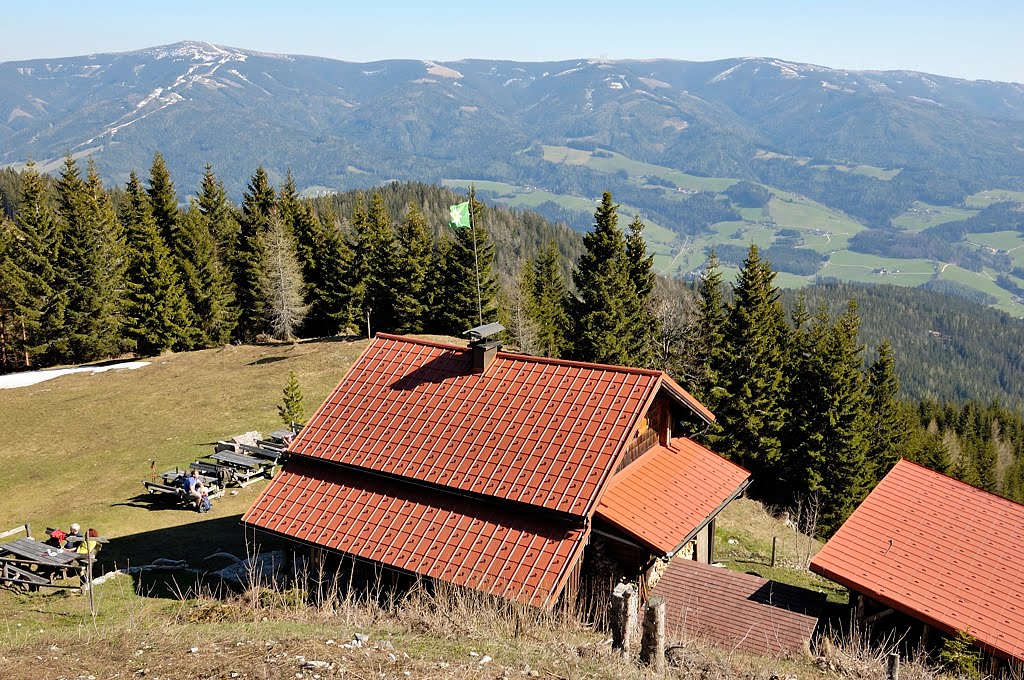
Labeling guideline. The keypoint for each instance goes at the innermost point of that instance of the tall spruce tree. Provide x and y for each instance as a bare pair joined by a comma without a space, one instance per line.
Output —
25,274
164,202
206,281
376,262
412,269
751,412
708,385
257,204
157,311
87,271
891,422
602,311
547,301
643,323
280,280
327,269
220,215
846,474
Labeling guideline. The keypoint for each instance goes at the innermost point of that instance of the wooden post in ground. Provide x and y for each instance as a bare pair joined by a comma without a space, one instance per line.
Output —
623,618
652,644
775,540
893,671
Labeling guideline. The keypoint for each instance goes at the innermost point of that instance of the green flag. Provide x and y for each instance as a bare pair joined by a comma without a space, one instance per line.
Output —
458,216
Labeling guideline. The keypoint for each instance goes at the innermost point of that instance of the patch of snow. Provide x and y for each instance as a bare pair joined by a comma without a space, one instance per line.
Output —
567,71
654,83
18,113
929,83
725,74
425,80
838,88
469,109
615,85
442,71
25,70
27,378
373,73
238,75
150,97
927,101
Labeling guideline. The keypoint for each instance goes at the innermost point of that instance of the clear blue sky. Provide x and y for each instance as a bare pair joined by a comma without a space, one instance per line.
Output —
980,39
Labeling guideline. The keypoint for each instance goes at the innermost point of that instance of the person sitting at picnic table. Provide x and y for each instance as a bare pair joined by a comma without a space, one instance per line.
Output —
193,488
90,543
73,537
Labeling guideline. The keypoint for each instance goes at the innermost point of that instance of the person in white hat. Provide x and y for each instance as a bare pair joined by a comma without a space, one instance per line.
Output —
74,536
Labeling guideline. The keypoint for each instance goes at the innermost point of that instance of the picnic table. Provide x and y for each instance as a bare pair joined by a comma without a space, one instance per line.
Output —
30,562
247,467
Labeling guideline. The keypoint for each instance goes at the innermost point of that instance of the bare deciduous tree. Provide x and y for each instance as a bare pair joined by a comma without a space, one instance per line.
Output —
281,280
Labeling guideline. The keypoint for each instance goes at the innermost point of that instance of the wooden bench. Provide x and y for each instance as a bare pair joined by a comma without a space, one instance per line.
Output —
14,574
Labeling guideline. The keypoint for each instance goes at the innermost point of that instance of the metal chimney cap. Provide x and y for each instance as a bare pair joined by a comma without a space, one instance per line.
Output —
484,332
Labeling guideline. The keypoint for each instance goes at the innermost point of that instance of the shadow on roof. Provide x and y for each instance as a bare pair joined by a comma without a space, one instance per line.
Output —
451,364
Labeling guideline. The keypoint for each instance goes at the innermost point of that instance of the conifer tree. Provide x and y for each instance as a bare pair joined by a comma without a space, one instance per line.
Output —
257,204
606,299
164,202
643,325
846,474
327,268
220,215
291,410
87,270
157,314
547,301
280,281
205,280
412,269
461,308
890,422
25,274
708,384
752,412
376,262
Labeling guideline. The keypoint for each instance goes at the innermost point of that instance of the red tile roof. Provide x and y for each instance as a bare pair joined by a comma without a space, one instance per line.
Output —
523,556
737,611
939,550
669,493
538,431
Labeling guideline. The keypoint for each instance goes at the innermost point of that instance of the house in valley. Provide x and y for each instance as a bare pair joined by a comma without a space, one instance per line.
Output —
523,477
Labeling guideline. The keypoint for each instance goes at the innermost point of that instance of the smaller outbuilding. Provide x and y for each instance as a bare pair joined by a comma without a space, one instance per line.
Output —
926,553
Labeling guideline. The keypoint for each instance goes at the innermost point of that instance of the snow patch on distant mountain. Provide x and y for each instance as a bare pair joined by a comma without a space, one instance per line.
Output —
925,100
725,74
654,83
192,50
442,71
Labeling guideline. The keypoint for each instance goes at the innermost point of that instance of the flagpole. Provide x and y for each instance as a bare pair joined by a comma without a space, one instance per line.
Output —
476,259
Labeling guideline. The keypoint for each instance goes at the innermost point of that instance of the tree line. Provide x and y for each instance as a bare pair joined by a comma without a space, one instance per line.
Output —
87,273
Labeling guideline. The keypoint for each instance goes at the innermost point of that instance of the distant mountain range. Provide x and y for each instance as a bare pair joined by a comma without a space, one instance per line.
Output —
871,176
340,124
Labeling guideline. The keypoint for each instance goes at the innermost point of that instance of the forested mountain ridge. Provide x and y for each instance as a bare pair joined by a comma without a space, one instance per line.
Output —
340,124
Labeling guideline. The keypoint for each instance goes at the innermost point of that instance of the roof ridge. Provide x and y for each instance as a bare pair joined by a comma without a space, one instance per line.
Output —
958,482
530,357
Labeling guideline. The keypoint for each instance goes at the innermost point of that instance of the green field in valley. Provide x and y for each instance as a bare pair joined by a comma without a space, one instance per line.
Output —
823,229
924,215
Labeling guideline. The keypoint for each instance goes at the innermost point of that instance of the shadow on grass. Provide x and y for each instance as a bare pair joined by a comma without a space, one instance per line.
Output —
155,501
193,542
266,360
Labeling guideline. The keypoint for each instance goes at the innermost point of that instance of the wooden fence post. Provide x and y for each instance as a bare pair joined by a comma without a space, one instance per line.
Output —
623,618
652,644
775,540
893,672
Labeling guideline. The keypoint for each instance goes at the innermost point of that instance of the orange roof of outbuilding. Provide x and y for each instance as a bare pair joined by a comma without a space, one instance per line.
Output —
664,497
538,431
496,548
939,550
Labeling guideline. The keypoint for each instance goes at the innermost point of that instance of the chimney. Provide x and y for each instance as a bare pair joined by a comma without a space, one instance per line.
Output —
484,349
